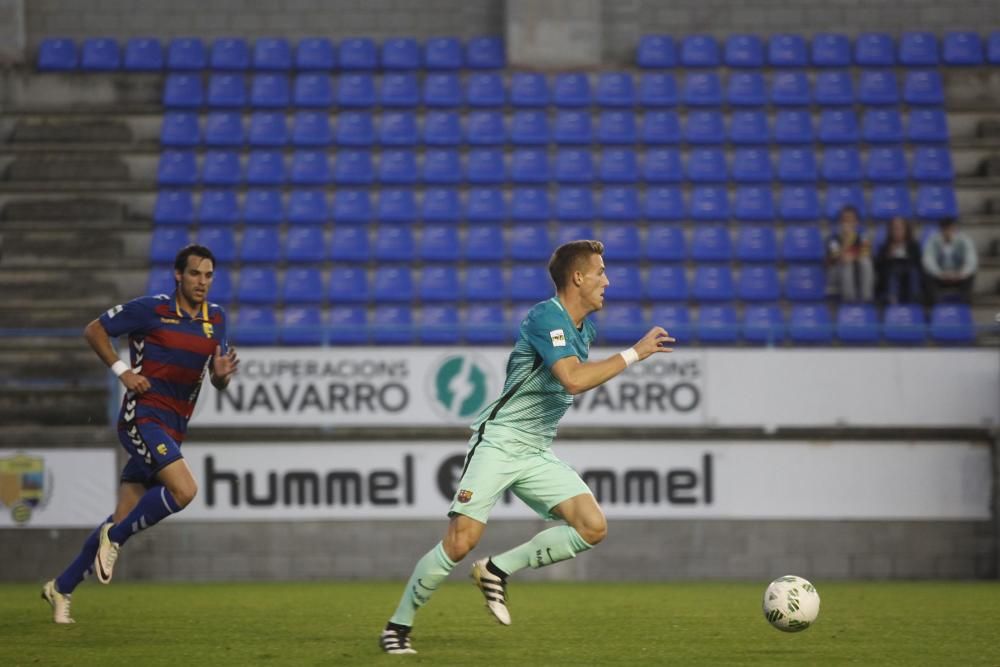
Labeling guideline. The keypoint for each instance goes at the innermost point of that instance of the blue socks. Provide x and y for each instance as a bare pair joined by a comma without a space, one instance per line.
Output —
81,566
157,504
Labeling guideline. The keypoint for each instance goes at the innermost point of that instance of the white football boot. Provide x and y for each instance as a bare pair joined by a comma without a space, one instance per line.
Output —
60,603
107,554
396,641
494,589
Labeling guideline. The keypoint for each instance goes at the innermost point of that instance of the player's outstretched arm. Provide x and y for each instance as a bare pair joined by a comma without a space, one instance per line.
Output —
99,341
578,377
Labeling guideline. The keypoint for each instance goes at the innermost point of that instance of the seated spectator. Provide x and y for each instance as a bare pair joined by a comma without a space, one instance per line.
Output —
899,274
950,262
849,261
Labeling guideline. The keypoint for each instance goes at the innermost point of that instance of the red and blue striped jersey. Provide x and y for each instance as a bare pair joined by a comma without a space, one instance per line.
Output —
172,350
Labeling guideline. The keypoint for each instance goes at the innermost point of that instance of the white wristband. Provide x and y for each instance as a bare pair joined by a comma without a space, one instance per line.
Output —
119,367
630,356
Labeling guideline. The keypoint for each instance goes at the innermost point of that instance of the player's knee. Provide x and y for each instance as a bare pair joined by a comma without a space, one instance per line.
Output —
184,493
458,546
594,530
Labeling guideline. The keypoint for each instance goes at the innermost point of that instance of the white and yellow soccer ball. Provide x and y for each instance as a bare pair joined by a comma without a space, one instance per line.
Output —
791,604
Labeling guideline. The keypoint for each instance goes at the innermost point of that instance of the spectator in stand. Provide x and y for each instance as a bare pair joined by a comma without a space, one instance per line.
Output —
849,261
950,261
899,274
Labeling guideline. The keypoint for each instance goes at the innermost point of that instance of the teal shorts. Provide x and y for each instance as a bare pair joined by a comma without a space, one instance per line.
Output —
536,476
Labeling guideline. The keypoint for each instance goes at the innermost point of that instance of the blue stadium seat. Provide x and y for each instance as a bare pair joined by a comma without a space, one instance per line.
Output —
57,55
223,128
270,91
667,282
709,203
838,126
485,166
615,89
254,325
951,323
796,165
621,242
357,90
180,130
702,89
358,53
165,242
616,127
442,128
442,90
485,53
803,243
529,204
182,91
918,49
143,54
100,54
857,324
756,244
347,325
751,165
229,53
349,243
352,206
923,88
619,204
222,286
315,53
439,243
529,165
710,243
355,128
302,284
305,244
704,127
748,127
890,200
302,325
310,168
700,51
754,203
529,89
438,324
218,207
312,90
619,165
931,163
787,51
810,324
485,205
265,168
620,323
442,167
261,244
936,202
347,284
665,243
307,207
839,196
805,282
528,242
746,89
353,167
878,88
663,165
962,48
763,324
573,165
441,205
656,52
793,126
177,168
798,203
312,128
744,51
220,239
833,88
831,50
186,53
393,324
483,283
393,242
397,167
484,89
399,89
657,89
874,50
707,165
485,128
571,89
529,128
904,324
262,207
445,53
660,127
927,126
484,243
226,91
717,324
484,323
675,318
272,53
258,285
881,126
712,282
572,232
400,53
396,128
841,164
574,204
664,204
267,128
161,281
173,207
572,127
438,283
790,89
886,164
530,283
396,205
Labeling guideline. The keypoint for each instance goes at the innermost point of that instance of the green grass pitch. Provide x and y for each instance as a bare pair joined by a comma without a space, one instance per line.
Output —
326,623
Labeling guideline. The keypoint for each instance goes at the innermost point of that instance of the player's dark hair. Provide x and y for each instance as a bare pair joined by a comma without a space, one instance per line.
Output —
181,261
848,209
568,257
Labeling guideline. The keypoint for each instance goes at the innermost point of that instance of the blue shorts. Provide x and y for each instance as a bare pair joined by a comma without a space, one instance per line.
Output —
149,449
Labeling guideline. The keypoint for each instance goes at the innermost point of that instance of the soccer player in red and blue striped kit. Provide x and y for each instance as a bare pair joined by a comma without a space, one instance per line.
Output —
173,340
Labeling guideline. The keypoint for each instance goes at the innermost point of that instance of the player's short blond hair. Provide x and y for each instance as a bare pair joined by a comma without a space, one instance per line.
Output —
570,257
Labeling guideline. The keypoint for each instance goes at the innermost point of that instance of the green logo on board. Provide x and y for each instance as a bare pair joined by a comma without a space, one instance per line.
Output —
461,386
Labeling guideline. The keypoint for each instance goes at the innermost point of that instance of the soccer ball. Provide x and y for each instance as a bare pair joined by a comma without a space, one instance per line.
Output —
791,604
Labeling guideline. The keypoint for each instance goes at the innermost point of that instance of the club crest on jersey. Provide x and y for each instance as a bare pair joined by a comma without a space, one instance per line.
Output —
558,338
208,329
464,496
161,449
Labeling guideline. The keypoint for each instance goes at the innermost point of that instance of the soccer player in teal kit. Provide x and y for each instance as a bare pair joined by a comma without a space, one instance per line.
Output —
511,445
173,340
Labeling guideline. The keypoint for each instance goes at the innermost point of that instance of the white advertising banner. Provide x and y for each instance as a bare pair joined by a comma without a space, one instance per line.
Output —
56,488
632,480
331,387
